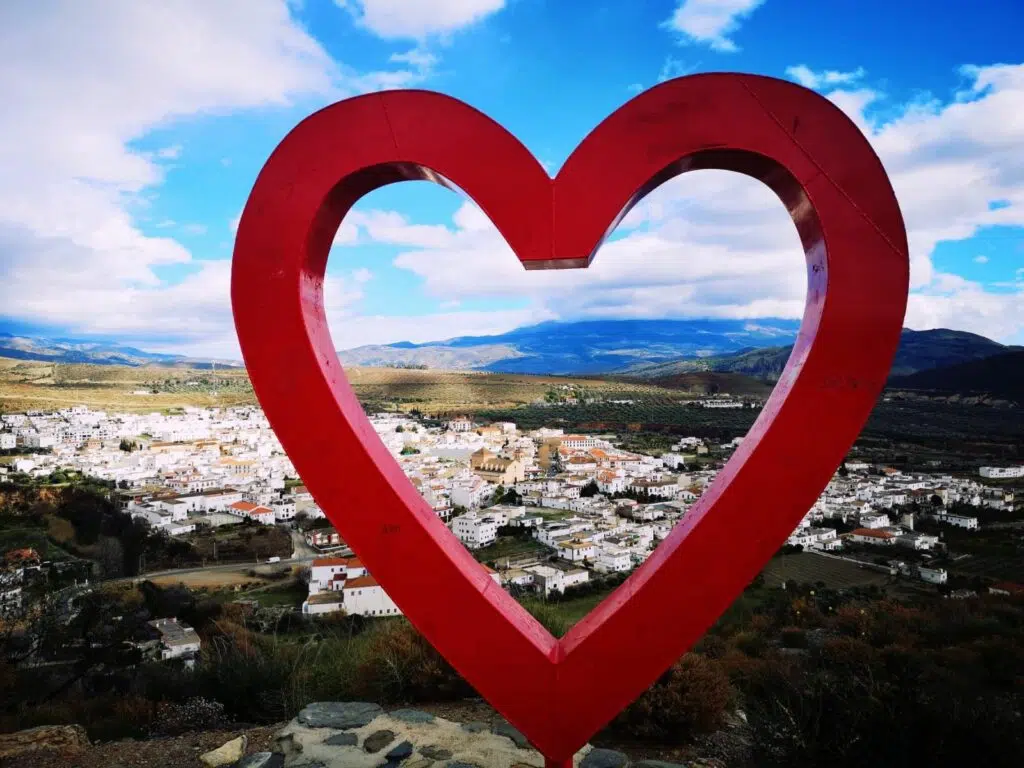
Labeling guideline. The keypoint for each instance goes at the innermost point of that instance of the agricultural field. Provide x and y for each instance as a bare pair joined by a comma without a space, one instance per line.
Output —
1005,567
453,392
511,548
27,385
810,568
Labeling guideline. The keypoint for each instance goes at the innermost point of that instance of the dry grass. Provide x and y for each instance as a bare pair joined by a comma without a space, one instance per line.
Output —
26,385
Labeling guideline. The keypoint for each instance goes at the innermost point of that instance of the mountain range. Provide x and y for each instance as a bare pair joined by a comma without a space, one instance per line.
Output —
742,355
583,347
65,350
656,349
1000,376
917,351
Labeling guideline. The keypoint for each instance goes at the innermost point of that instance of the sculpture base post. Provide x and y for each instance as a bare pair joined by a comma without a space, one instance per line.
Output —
551,763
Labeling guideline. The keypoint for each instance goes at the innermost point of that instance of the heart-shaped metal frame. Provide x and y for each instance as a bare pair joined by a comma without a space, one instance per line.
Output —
560,692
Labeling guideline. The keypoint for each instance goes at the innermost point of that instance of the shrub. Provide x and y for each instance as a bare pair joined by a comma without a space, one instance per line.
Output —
691,698
196,714
401,666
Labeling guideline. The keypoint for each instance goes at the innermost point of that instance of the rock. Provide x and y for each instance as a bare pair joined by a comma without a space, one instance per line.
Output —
400,752
604,758
262,760
226,754
64,738
474,727
310,764
342,740
507,729
418,764
411,716
377,740
59,738
435,753
458,764
288,744
339,714
656,764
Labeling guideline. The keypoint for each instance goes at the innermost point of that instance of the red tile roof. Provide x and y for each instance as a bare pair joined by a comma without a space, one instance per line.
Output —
872,533
361,581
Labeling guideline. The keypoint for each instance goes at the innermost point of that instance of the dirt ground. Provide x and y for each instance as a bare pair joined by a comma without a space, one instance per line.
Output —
176,752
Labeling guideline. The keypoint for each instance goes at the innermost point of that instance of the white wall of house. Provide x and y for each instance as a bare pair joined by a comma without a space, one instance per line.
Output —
369,601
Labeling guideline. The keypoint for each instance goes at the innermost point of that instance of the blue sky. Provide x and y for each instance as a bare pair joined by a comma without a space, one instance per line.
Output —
132,136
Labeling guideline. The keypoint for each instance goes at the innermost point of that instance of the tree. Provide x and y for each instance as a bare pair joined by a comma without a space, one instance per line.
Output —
110,556
399,428
590,489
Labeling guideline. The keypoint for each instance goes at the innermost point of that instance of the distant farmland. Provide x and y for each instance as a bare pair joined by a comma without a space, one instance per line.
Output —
26,385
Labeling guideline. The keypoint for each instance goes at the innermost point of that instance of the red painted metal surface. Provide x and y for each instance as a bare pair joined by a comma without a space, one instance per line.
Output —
560,692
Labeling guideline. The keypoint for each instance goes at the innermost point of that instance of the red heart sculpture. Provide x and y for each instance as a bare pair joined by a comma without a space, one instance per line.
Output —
560,692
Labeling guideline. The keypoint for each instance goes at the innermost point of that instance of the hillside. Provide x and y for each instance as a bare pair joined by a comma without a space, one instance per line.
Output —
1000,376
93,352
918,351
28,385
581,348
714,383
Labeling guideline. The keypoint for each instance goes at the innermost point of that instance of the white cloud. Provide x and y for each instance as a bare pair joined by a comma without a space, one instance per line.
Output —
673,68
950,301
398,19
194,229
172,152
981,259
710,22
717,244
811,79
80,84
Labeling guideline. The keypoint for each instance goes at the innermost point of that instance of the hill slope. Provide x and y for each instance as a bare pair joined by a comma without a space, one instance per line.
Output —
918,351
1001,376
585,347
93,352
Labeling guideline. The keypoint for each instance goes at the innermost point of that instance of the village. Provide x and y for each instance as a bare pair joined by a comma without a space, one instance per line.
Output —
544,511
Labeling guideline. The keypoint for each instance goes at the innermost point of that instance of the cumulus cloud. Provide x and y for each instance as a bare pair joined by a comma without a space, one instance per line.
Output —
397,19
830,77
81,83
717,244
710,22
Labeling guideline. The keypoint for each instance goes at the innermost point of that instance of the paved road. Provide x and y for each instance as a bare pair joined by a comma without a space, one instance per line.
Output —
300,548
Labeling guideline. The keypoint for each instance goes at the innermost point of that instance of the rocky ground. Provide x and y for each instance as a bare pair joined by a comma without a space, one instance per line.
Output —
344,735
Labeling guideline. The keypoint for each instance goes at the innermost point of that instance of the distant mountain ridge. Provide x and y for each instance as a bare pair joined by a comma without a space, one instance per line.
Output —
583,347
649,349
918,351
63,350
1000,376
